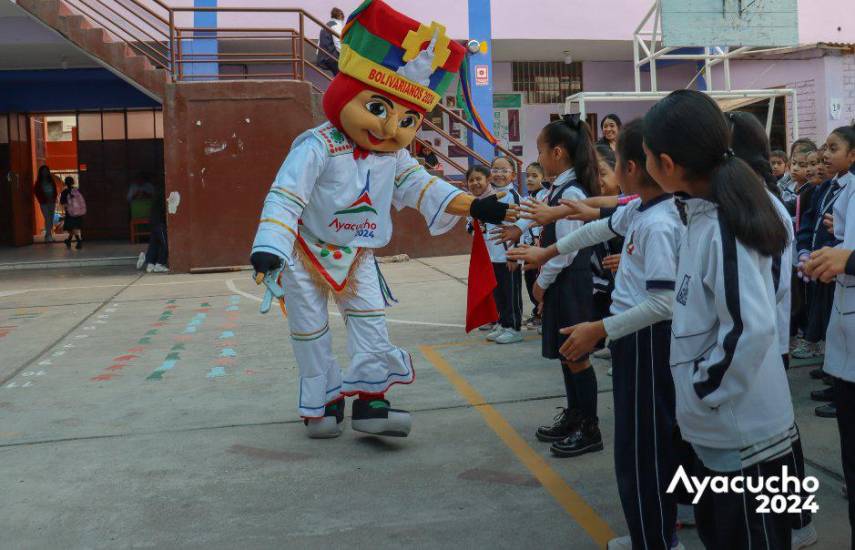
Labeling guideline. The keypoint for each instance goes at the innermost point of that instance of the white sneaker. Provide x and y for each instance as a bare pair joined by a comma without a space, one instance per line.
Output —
509,336
805,350
160,268
686,515
489,327
141,260
149,268
324,427
493,334
620,543
804,537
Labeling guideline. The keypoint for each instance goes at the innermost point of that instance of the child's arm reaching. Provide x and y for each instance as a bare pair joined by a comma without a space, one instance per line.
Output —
827,263
587,235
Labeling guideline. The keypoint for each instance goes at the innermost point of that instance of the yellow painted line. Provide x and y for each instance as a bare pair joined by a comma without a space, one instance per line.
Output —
566,497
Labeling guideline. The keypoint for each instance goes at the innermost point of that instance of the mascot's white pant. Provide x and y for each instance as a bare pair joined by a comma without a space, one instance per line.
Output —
375,364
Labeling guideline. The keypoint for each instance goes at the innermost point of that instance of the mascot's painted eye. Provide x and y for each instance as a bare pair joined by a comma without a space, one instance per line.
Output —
408,121
377,108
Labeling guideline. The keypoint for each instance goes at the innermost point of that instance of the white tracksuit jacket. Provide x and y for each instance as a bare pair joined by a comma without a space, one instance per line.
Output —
840,338
731,387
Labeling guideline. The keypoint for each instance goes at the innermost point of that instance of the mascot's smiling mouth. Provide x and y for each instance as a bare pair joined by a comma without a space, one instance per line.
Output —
372,137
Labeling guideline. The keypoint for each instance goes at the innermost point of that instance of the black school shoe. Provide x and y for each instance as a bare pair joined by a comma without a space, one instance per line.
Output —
586,439
818,374
376,417
825,394
829,410
327,426
566,422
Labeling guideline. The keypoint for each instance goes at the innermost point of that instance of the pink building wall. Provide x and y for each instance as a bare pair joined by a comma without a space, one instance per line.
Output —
600,76
816,81
557,19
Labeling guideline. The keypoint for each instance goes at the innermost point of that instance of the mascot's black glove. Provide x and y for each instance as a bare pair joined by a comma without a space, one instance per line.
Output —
264,262
489,210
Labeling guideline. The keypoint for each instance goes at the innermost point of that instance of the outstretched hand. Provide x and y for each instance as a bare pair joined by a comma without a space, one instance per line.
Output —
581,339
612,262
509,234
578,210
540,212
532,256
827,263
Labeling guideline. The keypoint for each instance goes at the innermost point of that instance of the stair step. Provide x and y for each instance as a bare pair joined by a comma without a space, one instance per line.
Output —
46,10
64,10
96,43
99,42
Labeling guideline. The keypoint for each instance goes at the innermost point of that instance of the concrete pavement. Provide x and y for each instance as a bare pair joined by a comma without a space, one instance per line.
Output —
159,411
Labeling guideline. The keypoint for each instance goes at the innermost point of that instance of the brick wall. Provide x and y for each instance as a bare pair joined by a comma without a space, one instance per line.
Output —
848,90
806,97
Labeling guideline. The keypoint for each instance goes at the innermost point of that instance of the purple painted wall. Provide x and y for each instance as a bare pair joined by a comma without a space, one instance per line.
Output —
816,81
598,76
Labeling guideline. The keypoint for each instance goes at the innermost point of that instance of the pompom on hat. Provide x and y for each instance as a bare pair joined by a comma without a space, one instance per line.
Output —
384,50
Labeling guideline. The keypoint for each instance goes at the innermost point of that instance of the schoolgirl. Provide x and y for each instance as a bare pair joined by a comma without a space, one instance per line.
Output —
508,292
565,285
838,265
813,235
605,254
732,394
750,143
640,334
531,234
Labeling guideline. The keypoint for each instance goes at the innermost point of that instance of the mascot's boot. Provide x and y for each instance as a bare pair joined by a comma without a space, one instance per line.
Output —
327,426
373,415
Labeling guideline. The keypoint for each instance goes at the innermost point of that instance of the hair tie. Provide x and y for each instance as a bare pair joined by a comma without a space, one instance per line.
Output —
728,154
571,120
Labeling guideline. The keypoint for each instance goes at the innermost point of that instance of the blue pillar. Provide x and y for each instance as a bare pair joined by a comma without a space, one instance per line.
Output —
480,29
203,42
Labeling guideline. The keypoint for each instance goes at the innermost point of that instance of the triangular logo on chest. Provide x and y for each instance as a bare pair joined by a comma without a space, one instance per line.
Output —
363,202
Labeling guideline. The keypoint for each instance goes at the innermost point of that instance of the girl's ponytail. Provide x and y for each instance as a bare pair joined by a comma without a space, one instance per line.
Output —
574,136
749,142
689,127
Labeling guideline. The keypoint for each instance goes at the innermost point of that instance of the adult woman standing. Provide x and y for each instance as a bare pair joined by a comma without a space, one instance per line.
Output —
610,127
46,194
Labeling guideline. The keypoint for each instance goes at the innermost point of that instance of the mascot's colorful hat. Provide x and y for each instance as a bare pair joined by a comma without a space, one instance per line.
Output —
385,50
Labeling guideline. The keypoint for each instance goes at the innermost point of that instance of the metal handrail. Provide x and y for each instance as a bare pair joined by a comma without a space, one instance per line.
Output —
174,58
154,55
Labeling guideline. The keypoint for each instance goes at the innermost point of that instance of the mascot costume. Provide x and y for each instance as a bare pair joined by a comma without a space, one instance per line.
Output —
329,208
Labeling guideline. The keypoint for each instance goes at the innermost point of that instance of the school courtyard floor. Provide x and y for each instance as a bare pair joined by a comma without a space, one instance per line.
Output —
158,411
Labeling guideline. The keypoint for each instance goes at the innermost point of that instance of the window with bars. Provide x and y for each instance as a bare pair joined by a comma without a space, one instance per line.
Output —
547,81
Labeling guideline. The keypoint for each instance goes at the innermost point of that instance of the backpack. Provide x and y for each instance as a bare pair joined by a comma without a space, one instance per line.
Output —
76,204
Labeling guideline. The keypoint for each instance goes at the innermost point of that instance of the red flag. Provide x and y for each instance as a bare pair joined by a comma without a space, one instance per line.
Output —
480,306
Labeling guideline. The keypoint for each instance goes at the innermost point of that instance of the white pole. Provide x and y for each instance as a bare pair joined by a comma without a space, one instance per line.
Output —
795,115
653,40
727,72
708,69
769,116
636,56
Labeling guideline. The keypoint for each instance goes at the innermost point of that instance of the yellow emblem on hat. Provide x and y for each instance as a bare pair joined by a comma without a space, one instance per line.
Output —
413,44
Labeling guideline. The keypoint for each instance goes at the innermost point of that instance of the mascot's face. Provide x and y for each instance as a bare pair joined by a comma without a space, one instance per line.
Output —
376,122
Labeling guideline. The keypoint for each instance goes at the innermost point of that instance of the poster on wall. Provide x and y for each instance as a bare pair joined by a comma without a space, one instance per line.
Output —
508,121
